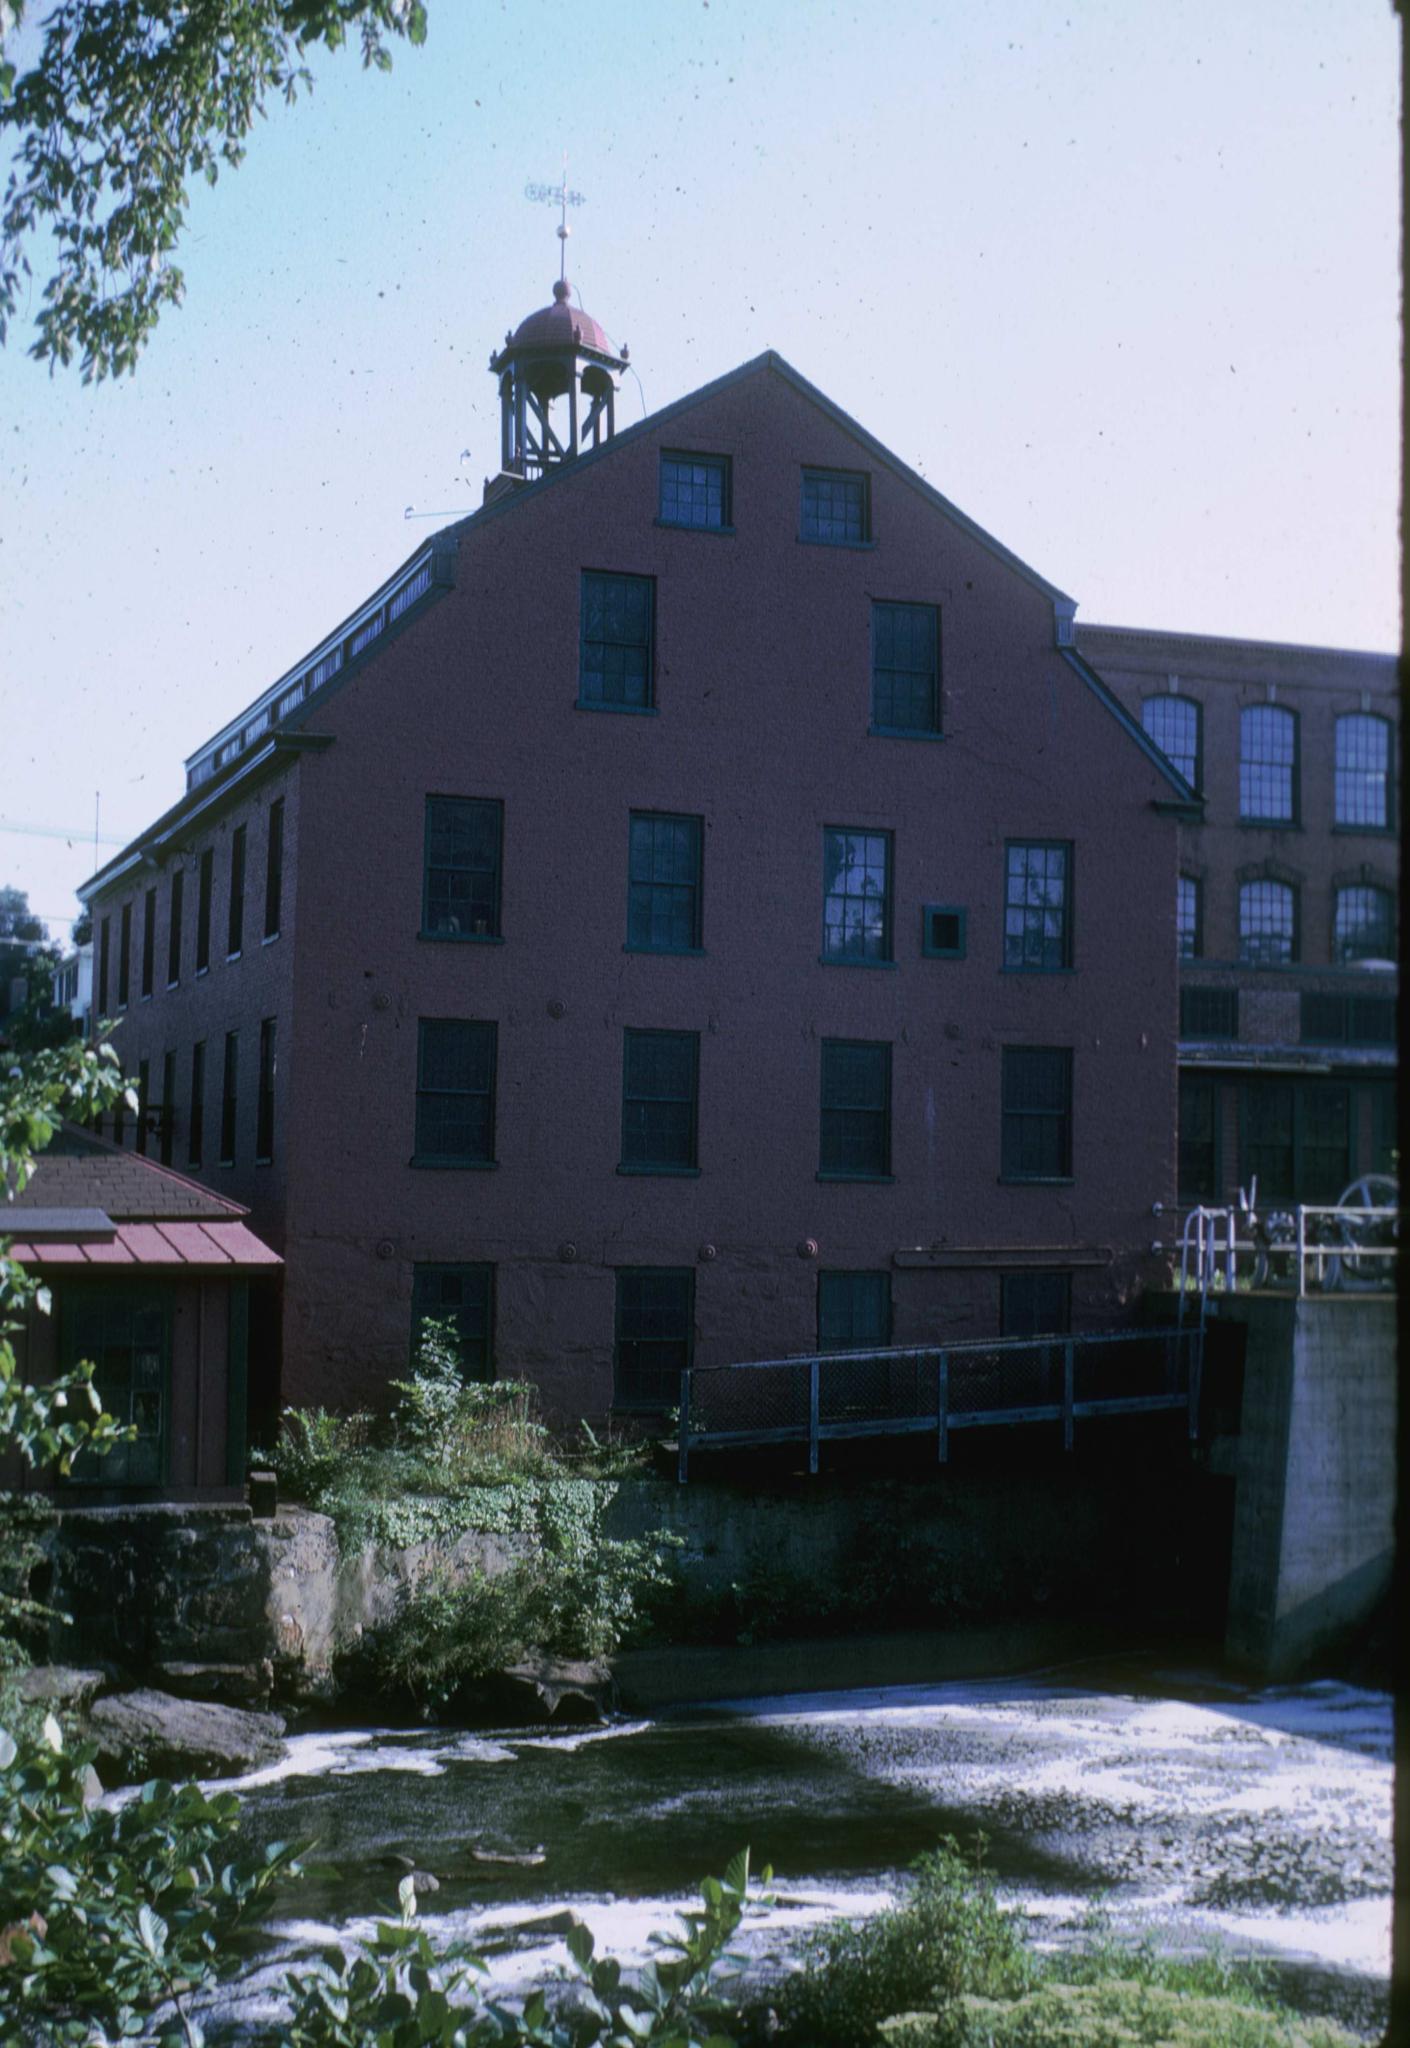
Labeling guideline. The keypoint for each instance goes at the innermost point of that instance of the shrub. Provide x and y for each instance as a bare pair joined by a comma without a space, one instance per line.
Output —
1113,2013
313,1447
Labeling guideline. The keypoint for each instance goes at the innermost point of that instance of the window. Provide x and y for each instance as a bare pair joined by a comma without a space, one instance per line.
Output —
463,1295
615,660
1364,926
1296,1139
1174,724
836,507
149,940
905,668
1189,917
173,933
1199,1139
274,870
856,1110
1037,1113
264,1106
195,1139
655,1317
1209,1013
144,1074
168,1103
663,883
124,956
203,911
236,929
228,1105
856,896
1038,906
460,889
1035,1304
1347,1020
105,937
1267,765
1363,784
660,1077
695,491
942,931
455,1083
1268,924
126,1334
854,1311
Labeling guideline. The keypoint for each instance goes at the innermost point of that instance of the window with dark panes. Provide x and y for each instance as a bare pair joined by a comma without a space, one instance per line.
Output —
1189,924
1209,1013
168,1105
854,1311
1038,906
461,888
236,923
149,940
663,883
455,1078
264,1106
464,1296
105,937
274,870
1323,1112
1363,773
856,1109
1268,1152
615,666
654,1331
1174,724
1267,765
203,910
229,1105
124,956
1267,924
695,490
1385,1131
173,934
1364,926
942,931
126,1335
1037,1112
836,506
195,1141
1199,1139
905,668
1035,1304
856,895
143,1103
660,1071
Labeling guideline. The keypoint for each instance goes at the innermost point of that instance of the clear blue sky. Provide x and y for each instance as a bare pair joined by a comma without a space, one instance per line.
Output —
1119,278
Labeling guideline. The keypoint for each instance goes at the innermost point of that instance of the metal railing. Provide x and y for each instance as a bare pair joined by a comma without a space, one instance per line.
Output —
824,1397
1311,1248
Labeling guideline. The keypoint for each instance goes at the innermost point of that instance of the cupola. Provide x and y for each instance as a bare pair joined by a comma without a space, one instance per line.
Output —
558,376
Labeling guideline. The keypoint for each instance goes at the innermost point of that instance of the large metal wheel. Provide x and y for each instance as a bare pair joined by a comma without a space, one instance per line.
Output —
1350,1270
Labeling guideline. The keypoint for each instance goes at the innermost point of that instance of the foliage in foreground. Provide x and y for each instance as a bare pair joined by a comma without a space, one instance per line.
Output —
1115,2013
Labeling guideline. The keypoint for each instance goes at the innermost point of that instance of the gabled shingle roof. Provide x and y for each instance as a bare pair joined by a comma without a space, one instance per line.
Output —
81,1171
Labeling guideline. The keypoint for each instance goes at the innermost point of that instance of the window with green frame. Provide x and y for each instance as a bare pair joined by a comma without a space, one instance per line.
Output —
460,890
1199,1139
660,1087
1037,905
905,668
126,1333
615,666
463,1295
1037,1113
855,1139
695,490
455,1092
663,883
1035,1304
654,1335
856,897
836,507
854,1311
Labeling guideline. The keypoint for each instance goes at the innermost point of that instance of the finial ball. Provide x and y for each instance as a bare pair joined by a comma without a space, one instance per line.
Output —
561,289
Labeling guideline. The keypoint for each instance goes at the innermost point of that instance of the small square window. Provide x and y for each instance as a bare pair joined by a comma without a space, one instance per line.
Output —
1035,1304
854,1311
695,491
942,931
856,1110
615,659
1037,1112
660,1081
1038,906
464,1296
461,881
655,1319
1209,1013
856,896
836,507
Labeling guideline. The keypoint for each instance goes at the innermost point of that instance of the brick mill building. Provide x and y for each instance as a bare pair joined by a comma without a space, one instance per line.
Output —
704,903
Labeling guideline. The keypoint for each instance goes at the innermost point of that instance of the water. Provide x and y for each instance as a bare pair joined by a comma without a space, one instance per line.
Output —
1193,1809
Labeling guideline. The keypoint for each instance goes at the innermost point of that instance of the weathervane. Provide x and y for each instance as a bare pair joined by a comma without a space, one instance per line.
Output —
559,196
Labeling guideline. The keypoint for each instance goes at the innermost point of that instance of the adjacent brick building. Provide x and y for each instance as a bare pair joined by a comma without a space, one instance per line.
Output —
703,899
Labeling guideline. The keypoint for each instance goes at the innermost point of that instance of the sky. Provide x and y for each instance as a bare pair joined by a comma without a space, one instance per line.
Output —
1120,278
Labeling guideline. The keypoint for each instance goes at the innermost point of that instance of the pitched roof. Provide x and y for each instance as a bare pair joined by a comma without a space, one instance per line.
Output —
207,1247
81,1171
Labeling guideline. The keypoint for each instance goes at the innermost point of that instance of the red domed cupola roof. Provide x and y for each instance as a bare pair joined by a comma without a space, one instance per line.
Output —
562,325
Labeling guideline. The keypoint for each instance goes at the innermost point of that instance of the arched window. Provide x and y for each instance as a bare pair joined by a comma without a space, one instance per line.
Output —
1173,723
1365,924
1189,923
1363,772
1268,924
1267,765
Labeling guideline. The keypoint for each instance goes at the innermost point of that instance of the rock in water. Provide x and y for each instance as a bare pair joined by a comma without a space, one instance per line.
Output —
540,1688
150,1734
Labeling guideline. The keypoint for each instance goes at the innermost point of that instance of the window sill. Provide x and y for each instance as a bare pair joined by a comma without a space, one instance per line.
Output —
1364,832
876,1179
269,938
202,971
1044,973
463,938
1036,1180
833,960
667,1172
679,952
146,996
458,1165
623,710
927,953
234,956
689,526
1270,824
903,732
269,1161
171,985
814,540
